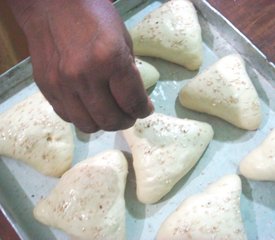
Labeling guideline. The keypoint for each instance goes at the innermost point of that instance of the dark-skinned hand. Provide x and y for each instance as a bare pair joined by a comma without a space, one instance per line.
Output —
83,62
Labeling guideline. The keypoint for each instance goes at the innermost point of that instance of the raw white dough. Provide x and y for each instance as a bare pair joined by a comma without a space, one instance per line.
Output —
149,74
213,214
226,91
164,149
171,32
32,132
260,163
88,202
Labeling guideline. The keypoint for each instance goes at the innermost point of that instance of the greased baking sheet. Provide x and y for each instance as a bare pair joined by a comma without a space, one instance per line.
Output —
21,187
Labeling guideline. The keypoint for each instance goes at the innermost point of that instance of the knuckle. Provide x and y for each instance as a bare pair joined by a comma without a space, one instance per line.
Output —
74,67
85,125
137,107
111,127
108,124
61,113
114,124
107,55
115,53
127,124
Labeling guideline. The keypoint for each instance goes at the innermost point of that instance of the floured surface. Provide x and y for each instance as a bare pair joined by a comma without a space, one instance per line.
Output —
228,147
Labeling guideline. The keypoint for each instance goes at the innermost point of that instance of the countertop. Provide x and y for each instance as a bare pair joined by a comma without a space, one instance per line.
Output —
255,18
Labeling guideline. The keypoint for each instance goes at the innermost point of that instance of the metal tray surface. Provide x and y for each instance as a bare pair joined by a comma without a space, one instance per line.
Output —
21,187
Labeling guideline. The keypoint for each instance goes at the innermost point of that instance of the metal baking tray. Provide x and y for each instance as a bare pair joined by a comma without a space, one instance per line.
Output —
21,187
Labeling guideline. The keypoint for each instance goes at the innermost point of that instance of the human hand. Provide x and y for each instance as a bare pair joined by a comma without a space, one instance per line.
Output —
83,63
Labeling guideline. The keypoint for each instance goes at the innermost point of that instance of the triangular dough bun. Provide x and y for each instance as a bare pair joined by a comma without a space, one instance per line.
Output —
260,163
88,201
171,32
149,74
32,132
213,214
226,91
164,149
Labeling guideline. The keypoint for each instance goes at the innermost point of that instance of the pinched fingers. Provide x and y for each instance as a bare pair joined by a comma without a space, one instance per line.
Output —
88,98
91,102
103,108
77,112
128,91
